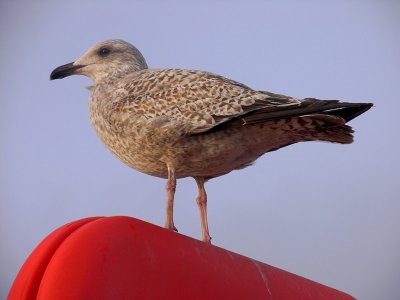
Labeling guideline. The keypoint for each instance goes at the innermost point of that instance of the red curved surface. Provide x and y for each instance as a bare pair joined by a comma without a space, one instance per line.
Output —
125,258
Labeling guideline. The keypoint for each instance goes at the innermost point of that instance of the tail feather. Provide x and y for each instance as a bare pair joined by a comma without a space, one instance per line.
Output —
322,127
323,120
338,134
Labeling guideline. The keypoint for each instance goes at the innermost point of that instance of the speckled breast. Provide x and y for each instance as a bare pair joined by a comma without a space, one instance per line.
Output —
124,137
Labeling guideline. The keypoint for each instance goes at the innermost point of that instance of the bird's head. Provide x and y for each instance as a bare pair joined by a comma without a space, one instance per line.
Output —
108,59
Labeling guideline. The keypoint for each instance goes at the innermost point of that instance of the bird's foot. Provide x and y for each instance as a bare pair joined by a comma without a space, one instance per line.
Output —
171,227
207,239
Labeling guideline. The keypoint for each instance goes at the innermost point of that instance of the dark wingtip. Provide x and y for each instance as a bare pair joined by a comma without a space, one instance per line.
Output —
64,71
352,112
346,110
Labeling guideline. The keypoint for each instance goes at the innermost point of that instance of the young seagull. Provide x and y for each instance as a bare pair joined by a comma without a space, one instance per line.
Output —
175,123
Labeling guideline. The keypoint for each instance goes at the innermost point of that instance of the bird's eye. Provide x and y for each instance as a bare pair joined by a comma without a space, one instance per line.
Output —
104,51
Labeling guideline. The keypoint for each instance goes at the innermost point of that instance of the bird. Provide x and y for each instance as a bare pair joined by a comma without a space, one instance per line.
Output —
177,123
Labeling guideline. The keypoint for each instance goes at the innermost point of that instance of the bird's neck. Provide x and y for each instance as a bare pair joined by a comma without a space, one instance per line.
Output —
109,76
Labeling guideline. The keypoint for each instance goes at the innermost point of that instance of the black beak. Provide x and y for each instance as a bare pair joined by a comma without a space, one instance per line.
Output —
64,71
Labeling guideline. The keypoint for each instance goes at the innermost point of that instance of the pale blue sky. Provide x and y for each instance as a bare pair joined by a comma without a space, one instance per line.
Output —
327,212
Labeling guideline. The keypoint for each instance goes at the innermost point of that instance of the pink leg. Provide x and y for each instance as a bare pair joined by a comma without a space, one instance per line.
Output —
171,186
202,203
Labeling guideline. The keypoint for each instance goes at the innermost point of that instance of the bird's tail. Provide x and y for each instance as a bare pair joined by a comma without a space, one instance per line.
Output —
311,120
321,127
325,120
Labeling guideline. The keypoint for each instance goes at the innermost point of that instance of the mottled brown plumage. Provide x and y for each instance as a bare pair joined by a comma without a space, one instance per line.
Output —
175,123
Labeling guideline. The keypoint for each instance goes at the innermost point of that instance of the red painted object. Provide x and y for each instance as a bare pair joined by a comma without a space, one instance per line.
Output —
125,258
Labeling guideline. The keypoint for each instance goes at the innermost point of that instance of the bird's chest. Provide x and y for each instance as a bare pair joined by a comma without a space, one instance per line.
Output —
134,142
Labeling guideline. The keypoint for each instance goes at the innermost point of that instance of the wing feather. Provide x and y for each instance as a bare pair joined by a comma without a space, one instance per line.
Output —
200,100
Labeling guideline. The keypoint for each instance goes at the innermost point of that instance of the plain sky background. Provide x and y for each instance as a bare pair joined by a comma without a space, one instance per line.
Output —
328,212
